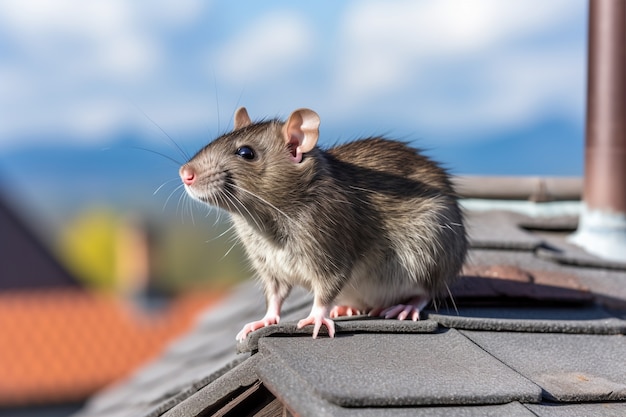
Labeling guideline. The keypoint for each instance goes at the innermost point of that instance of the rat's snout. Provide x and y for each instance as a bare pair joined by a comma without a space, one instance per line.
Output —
187,174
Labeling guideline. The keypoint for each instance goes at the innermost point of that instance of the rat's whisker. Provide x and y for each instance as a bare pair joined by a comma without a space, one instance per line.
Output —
172,141
177,162
452,299
167,200
184,198
225,232
262,200
164,184
240,203
228,251
190,210
218,215
217,101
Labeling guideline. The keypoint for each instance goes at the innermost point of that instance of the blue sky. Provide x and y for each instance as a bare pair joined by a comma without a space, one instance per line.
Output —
453,74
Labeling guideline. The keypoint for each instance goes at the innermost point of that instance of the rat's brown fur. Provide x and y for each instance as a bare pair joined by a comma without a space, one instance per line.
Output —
366,224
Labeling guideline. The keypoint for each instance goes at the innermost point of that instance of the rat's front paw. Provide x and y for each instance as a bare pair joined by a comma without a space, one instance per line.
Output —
255,325
317,322
317,318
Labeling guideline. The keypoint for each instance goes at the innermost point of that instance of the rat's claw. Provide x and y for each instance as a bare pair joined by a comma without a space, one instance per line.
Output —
317,317
255,325
317,323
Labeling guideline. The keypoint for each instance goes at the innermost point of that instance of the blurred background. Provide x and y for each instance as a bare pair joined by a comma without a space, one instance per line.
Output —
101,101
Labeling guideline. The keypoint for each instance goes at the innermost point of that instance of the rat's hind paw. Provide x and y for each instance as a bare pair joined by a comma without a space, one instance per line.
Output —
403,311
255,325
338,311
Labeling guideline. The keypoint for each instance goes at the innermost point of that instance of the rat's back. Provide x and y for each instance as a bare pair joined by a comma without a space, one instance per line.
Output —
393,158
418,210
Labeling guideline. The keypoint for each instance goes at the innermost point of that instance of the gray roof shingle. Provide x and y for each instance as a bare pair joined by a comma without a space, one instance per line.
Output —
568,367
537,329
441,368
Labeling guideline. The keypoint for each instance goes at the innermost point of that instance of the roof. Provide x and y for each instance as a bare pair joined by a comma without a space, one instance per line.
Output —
62,345
536,329
32,266
61,342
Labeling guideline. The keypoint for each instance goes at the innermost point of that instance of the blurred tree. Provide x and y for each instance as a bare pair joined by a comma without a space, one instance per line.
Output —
199,255
88,247
106,250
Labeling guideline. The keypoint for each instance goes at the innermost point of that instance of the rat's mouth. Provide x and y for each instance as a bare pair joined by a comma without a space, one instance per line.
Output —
207,188
215,194
194,195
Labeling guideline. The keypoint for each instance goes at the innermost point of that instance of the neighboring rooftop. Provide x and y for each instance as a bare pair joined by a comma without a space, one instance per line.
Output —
32,265
59,341
59,346
536,329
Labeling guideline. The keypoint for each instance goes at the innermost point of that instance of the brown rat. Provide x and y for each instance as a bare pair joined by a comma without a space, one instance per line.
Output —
371,226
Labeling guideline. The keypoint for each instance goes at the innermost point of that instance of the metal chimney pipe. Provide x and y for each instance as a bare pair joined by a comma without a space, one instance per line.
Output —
602,226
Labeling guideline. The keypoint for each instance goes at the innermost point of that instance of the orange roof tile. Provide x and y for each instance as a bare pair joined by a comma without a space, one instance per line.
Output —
62,345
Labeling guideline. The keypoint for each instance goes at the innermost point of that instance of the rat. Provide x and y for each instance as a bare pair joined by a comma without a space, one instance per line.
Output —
371,226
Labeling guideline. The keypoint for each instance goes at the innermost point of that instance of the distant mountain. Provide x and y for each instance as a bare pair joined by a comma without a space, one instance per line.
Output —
63,177
125,174
551,148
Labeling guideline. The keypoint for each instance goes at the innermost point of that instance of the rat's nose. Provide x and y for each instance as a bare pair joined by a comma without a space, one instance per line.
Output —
187,174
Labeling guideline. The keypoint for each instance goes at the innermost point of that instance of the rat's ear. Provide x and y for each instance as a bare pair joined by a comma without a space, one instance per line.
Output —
241,118
300,132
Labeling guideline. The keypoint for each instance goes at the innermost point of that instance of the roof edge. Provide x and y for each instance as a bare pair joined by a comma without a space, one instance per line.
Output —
532,188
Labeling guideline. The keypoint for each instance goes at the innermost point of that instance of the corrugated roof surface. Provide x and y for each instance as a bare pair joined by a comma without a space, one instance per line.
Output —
538,329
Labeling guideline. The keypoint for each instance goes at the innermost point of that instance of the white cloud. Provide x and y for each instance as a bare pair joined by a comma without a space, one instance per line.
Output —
67,59
391,47
506,92
441,64
38,18
14,83
168,13
272,46
100,38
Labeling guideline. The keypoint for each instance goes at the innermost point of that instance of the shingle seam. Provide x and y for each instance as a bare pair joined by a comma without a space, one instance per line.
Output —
543,391
567,367
525,405
300,356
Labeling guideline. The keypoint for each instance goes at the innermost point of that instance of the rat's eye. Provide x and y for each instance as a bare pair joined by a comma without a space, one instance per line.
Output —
246,152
